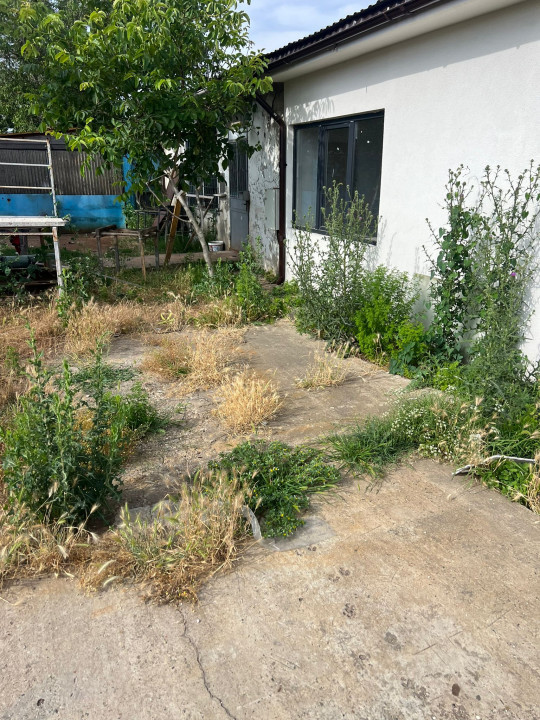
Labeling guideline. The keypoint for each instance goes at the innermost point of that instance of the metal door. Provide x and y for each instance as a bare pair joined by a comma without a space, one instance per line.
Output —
239,195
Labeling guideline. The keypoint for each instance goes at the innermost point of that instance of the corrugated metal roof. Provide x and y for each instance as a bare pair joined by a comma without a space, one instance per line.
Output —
367,20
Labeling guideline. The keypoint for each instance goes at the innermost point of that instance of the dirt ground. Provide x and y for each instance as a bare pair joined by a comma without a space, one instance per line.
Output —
418,599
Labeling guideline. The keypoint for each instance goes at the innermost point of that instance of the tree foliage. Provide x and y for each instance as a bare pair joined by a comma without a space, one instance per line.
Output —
159,82
20,77
143,78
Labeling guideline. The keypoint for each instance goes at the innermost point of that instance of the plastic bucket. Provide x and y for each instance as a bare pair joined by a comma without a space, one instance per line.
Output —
216,246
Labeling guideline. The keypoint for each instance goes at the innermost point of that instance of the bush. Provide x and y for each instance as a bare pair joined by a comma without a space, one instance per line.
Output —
281,479
386,304
411,349
329,269
63,452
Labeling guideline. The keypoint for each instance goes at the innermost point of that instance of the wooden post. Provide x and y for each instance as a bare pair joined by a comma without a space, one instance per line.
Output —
141,248
172,231
98,242
116,254
156,247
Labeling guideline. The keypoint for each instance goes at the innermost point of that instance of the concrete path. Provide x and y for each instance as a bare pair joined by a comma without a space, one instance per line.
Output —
417,601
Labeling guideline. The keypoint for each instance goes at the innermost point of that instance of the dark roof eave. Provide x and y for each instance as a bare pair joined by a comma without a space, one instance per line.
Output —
369,20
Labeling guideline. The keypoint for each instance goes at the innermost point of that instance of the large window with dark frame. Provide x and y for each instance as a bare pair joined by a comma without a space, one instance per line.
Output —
347,151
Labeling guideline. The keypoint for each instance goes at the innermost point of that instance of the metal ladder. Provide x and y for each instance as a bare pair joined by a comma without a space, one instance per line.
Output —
38,221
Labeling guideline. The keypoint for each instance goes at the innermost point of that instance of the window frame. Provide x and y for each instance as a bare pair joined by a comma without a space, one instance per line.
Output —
325,125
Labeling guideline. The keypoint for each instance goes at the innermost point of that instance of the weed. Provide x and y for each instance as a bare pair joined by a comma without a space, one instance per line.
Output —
63,453
246,401
111,375
31,548
326,371
427,423
281,479
103,321
329,271
209,355
170,360
386,302
223,312
187,539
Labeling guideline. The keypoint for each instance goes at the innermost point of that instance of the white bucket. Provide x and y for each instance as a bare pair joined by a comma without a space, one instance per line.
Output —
216,246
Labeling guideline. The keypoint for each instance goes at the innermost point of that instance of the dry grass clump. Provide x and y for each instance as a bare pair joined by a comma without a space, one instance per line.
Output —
175,551
207,356
170,360
29,548
223,312
11,386
102,321
14,332
247,401
172,552
325,371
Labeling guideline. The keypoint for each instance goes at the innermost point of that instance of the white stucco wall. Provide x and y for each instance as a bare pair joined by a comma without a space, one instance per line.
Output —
468,93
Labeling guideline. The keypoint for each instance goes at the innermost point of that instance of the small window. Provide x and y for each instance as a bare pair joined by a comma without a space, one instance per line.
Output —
347,151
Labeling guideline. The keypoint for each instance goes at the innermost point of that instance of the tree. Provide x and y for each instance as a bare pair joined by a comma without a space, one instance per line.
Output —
158,82
18,77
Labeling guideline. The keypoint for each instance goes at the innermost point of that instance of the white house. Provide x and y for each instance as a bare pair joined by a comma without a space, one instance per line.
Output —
386,101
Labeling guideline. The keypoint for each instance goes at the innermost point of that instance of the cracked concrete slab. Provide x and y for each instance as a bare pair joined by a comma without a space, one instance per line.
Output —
421,603
417,600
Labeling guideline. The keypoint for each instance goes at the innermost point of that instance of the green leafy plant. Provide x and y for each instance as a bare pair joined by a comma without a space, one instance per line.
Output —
254,301
62,452
329,269
411,349
387,298
281,480
81,282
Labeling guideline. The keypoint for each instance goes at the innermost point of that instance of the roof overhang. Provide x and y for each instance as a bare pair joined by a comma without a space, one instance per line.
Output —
378,27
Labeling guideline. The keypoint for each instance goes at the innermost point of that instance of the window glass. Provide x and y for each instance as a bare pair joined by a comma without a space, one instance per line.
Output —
337,147
307,155
346,151
367,160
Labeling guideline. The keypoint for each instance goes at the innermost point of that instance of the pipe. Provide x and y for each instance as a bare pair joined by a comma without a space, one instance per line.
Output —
282,186
467,469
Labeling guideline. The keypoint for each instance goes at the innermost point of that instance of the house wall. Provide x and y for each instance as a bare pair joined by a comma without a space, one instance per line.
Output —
465,94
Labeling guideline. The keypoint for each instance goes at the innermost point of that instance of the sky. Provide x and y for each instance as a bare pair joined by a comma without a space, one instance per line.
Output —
275,23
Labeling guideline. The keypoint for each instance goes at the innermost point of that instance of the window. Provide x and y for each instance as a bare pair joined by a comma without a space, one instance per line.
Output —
347,151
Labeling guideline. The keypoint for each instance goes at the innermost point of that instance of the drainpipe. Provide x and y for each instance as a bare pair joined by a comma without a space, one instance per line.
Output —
282,178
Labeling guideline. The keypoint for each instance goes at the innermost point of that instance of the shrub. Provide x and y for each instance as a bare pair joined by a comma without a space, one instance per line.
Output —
246,401
411,349
386,304
63,452
487,259
329,269
281,479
